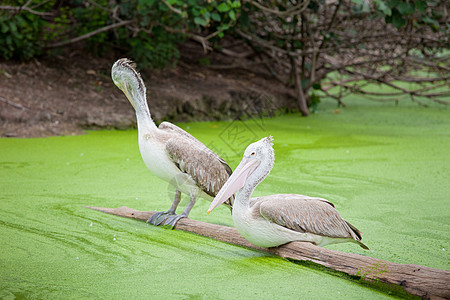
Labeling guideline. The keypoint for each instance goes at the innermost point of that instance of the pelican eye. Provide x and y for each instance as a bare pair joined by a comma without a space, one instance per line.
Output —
252,154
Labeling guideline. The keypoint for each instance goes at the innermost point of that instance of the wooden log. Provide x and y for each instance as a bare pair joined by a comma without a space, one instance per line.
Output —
417,280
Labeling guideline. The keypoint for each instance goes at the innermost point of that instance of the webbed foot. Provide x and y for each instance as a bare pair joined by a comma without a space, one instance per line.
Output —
172,220
159,217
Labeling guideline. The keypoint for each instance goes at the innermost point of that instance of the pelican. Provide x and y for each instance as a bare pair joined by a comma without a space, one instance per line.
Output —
275,220
169,152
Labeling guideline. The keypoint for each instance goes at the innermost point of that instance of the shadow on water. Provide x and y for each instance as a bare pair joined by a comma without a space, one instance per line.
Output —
41,290
69,241
389,289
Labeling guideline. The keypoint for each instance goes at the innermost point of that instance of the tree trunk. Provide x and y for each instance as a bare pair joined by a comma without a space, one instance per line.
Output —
301,101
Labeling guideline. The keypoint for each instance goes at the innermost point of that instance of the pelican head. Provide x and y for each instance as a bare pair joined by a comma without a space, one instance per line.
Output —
255,166
129,81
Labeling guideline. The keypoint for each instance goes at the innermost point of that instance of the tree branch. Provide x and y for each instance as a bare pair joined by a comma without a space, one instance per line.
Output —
175,10
16,105
25,8
90,34
337,98
297,9
301,100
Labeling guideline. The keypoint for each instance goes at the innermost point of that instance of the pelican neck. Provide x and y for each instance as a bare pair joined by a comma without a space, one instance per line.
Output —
144,119
244,194
143,116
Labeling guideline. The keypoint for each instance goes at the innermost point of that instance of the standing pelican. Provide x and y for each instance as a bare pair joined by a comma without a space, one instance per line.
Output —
275,220
169,152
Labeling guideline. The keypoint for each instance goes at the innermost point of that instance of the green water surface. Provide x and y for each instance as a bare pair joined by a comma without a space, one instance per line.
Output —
385,168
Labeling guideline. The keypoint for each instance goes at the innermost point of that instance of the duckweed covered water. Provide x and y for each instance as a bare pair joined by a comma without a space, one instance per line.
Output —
385,168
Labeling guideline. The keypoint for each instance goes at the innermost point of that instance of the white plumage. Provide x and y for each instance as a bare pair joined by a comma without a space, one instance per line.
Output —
279,219
169,152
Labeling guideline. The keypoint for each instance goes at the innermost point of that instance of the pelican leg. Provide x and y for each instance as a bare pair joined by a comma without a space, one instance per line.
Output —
173,219
161,216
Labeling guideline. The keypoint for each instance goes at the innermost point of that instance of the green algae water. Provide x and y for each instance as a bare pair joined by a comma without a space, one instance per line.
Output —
385,168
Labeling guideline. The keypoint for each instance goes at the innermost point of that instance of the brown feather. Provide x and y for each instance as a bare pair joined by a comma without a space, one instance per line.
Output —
306,214
202,164
171,127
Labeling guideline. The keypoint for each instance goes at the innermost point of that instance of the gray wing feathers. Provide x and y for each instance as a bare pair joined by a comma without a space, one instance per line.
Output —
307,215
203,166
169,126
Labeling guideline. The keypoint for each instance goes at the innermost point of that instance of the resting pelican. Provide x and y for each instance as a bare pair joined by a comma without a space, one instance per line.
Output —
169,152
275,220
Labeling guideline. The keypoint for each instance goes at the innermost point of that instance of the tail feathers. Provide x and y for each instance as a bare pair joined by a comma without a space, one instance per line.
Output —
358,235
355,230
362,245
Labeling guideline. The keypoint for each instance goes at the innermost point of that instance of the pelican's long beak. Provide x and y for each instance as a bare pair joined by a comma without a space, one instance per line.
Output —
235,182
129,97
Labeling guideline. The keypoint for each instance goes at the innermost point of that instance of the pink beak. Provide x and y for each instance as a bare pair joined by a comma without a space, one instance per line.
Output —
235,182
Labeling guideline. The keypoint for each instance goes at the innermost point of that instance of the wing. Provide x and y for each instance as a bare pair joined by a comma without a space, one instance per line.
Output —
307,215
167,126
193,158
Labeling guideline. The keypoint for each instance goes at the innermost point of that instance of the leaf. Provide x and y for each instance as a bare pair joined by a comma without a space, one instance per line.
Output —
236,4
21,21
215,16
392,3
360,7
223,27
13,27
421,5
5,28
200,21
9,42
365,7
405,8
428,20
383,7
232,15
223,7
143,3
195,12
431,22
398,21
